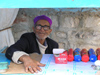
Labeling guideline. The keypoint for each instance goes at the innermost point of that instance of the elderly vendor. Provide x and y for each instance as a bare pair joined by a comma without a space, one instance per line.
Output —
34,42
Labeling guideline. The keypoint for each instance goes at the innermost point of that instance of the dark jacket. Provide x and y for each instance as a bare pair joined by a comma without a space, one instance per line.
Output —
28,44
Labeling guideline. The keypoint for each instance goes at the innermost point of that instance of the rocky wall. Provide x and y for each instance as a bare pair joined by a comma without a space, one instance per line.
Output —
71,28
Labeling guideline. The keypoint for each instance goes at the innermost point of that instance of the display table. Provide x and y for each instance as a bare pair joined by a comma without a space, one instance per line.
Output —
71,68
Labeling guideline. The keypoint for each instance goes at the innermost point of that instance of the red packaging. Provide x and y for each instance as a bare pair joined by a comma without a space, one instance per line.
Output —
98,53
61,58
70,55
85,56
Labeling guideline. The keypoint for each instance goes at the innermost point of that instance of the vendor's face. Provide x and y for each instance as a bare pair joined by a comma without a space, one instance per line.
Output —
42,29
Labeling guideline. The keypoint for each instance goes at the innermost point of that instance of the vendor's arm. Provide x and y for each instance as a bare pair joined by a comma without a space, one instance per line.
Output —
21,45
17,55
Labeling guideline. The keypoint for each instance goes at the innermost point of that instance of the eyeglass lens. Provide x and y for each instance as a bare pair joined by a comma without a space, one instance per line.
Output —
45,27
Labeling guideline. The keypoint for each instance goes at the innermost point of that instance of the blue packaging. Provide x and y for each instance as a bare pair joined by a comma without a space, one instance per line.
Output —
77,55
92,55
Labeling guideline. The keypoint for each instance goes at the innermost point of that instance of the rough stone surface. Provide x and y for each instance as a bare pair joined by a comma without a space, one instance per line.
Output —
71,28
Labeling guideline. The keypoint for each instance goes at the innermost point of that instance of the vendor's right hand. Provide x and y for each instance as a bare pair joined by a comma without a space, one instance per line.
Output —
31,65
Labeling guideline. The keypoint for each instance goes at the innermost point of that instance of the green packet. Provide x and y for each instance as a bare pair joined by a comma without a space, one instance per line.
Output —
3,65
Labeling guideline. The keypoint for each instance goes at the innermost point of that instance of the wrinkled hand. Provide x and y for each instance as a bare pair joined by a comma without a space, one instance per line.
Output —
30,64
